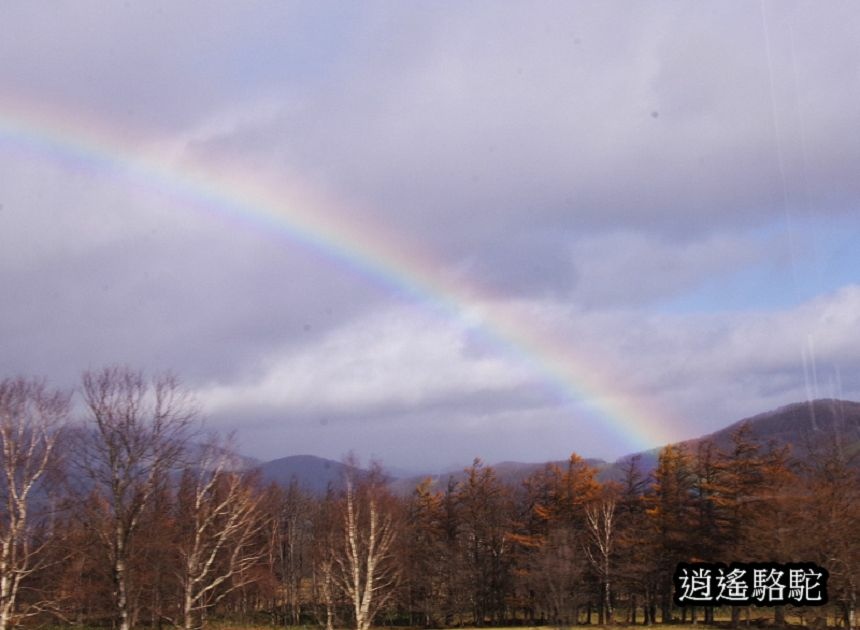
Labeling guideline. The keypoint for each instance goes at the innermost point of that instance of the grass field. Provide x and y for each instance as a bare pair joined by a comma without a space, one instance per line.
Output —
760,618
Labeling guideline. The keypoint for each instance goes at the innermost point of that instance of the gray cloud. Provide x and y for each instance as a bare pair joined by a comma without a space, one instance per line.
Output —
504,150
93,277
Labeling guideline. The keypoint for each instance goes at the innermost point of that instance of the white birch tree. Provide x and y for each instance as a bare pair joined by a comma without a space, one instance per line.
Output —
367,572
219,513
135,434
600,521
30,418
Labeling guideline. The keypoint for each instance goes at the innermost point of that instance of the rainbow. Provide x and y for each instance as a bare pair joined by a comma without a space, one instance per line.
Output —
371,249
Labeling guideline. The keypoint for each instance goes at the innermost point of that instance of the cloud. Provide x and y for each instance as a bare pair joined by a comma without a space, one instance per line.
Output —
103,269
383,377
634,185
557,128
631,268
400,358
713,368
520,121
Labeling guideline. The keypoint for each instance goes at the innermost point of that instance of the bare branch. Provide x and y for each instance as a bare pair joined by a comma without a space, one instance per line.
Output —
30,418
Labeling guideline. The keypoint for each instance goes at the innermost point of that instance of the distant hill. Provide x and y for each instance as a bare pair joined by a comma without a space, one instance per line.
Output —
795,425
799,423
197,450
310,472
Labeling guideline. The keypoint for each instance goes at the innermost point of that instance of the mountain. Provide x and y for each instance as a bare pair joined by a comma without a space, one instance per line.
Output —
796,425
799,424
310,472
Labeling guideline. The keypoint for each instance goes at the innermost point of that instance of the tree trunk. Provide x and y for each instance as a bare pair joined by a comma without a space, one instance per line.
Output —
850,612
779,615
665,608
121,585
29,417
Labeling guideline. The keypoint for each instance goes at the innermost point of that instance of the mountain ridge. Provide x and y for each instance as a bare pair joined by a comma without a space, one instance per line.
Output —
796,425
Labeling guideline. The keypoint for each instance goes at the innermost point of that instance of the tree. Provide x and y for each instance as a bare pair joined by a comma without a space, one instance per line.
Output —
600,519
748,502
671,511
367,573
135,434
426,556
218,517
485,527
580,489
830,509
326,526
154,561
553,562
30,417
632,527
291,534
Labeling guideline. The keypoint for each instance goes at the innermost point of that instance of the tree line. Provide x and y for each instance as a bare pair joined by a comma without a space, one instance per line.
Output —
130,516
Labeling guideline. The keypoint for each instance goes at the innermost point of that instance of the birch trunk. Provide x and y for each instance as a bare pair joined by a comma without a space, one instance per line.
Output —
600,526
220,512
366,574
30,416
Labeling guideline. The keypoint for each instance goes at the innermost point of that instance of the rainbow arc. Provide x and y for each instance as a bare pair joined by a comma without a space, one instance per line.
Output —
299,214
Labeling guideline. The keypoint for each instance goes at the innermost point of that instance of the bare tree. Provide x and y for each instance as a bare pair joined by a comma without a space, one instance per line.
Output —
599,519
30,417
326,586
324,548
366,571
290,538
558,575
220,517
135,435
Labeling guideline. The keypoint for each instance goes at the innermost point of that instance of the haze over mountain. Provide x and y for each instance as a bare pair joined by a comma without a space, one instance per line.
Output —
797,425
311,472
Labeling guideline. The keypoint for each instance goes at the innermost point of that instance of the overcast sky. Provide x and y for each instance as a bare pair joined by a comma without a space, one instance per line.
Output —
432,231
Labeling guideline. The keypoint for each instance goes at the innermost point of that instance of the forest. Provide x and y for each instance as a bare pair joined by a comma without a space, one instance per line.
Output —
119,511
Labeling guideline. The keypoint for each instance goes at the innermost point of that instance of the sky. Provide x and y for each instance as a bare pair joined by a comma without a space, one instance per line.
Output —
425,232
